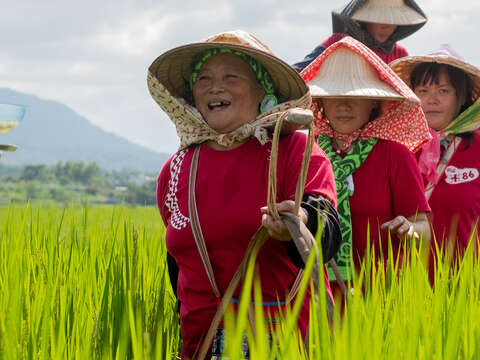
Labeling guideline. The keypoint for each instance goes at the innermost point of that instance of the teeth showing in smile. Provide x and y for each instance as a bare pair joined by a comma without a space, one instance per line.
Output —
218,104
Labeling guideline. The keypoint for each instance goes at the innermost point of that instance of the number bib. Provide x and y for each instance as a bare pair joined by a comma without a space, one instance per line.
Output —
459,176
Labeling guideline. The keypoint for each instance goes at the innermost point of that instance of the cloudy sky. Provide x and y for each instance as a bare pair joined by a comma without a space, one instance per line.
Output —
93,55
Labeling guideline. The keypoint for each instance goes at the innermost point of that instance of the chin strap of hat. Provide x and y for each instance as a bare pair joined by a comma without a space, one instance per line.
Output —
299,232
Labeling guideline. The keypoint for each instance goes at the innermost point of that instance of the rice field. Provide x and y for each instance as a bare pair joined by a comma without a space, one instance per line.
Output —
91,283
84,283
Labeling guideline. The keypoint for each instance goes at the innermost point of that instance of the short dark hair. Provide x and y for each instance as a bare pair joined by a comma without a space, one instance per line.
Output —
429,72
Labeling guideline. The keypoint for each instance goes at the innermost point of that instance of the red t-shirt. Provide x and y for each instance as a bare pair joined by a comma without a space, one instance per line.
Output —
456,197
398,50
230,189
386,185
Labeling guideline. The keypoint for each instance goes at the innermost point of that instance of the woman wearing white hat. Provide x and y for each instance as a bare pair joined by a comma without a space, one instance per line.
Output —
448,88
379,24
367,123
223,95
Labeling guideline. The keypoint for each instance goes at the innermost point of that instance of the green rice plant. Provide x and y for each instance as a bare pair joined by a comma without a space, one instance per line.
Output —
92,283
84,283
394,313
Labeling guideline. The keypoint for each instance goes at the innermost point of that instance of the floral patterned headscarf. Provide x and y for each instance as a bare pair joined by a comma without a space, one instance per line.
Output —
400,121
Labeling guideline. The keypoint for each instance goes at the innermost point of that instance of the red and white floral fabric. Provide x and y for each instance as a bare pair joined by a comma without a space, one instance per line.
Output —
400,121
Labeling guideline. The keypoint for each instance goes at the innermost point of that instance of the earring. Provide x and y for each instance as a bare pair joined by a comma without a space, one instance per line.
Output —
268,102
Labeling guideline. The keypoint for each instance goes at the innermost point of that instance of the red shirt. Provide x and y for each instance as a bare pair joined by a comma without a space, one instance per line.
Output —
456,197
398,50
231,187
386,185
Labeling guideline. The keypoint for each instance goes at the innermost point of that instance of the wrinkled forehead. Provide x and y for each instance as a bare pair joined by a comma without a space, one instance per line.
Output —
227,61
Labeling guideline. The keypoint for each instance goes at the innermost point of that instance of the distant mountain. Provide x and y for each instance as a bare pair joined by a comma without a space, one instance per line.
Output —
52,132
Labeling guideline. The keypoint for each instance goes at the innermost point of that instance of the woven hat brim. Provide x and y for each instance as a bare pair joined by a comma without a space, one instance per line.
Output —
174,67
394,16
345,73
403,67
318,93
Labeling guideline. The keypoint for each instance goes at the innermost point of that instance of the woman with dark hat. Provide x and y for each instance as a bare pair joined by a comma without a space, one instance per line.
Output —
224,95
379,24
369,123
448,88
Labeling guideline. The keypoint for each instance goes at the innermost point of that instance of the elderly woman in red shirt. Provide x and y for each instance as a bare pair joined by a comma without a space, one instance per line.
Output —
224,95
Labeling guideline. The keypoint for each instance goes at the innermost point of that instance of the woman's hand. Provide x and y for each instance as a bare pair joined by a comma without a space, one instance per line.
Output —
416,227
401,226
276,228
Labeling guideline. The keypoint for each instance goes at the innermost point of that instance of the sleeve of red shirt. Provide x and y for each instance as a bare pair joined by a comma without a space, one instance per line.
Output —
320,178
332,39
400,51
406,183
162,191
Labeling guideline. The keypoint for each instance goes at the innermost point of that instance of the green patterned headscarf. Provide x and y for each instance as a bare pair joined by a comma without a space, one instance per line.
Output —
343,168
261,74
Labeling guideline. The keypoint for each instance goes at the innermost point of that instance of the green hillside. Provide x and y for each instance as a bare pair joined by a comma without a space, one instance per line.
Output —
52,132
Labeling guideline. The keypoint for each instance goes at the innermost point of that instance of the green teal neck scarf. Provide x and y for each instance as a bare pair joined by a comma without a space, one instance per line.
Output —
343,168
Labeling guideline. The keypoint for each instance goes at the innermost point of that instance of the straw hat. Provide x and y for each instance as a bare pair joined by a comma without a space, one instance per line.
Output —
394,12
174,67
170,72
402,121
444,55
345,73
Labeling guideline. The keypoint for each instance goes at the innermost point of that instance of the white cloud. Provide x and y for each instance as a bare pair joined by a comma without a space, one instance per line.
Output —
82,69
134,37
93,55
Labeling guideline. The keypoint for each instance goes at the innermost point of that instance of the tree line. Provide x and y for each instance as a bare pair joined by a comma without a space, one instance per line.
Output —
76,181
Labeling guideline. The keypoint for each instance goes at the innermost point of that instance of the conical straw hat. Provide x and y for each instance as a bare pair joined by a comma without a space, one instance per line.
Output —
402,121
444,55
344,73
173,68
394,12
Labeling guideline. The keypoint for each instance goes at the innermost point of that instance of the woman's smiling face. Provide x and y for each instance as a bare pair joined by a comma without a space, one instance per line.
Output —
227,93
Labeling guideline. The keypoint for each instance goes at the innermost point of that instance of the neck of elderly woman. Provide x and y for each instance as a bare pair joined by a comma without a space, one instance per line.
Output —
216,146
